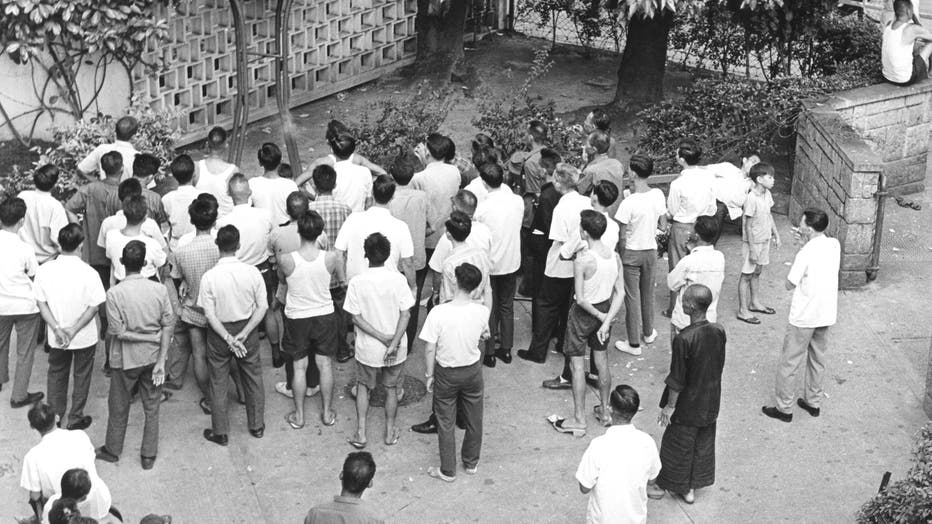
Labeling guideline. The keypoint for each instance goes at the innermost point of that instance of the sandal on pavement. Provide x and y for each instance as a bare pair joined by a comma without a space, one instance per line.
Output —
605,420
329,422
435,472
766,310
165,396
292,420
559,424
749,320
205,405
393,439
358,444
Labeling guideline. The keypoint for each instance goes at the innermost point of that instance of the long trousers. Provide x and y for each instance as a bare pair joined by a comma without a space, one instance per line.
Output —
502,315
122,384
219,357
26,327
638,270
459,388
549,311
798,344
60,362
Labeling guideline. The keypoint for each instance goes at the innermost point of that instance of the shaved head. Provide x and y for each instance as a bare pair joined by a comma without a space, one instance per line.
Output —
699,297
238,188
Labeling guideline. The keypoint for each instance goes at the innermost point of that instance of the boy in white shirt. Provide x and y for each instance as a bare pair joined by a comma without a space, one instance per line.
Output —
129,187
758,231
176,202
134,208
703,265
379,301
354,182
45,216
270,190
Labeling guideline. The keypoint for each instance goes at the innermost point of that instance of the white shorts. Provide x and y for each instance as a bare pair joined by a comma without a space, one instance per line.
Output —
762,251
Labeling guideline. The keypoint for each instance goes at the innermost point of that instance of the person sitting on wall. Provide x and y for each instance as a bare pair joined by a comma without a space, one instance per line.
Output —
903,63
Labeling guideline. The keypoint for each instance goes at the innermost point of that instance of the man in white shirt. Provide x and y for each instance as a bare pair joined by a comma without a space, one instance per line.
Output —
354,182
703,265
439,180
616,466
730,185
503,212
17,302
552,303
129,187
125,128
214,172
135,211
176,202
45,215
813,279
69,293
270,190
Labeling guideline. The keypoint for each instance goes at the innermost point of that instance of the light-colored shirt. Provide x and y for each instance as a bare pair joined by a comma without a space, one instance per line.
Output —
640,213
465,254
410,206
91,162
116,241
233,289
57,452
456,328
271,194
360,225
69,286
216,185
691,195
758,228
176,205
17,267
503,212
379,296
189,263
440,181
137,305
477,188
815,275
118,221
565,224
603,167
704,266
43,211
479,237
343,510
609,238
354,184
730,186
616,467
254,225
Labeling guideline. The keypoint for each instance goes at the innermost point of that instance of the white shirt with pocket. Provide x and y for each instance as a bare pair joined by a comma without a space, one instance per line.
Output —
69,286
640,213
456,328
378,295
815,275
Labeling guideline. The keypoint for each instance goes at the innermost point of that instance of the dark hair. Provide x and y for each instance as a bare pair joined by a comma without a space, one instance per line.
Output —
483,156
41,417
145,165
134,209
270,156
538,131
325,178
216,138
377,248
203,214
706,227
383,189
438,146
45,177
64,511
75,484
492,175
625,402
310,226
334,129
208,197
403,167
482,141
459,225
285,171
600,141
134,256
606,192
816,219
126,127
690,152
12,210
465,201
450,148
902,7
601,120
593,223
549,158
129,187
296,205
358,470
182,168
468,277
343,145
70,237
112,163
642,165
760,169
227,239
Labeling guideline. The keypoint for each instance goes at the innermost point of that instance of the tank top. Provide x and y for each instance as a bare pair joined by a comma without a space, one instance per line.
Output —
598,288
308,288
897,56
216,184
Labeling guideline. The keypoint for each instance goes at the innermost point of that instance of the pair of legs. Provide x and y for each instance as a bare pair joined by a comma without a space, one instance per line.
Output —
299,389
502,317
60,363
550,309
457,389
420,276
26,327
273,317
749,294
582,333
687,459
800,343
190,345
122,383
638,271
676,249
219,361
344,351
366,379
306,337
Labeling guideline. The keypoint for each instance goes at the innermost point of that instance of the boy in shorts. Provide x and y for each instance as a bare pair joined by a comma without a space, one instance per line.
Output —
379,301
758,231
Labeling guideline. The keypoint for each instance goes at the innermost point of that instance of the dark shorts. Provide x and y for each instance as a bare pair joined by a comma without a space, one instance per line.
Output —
270,277
582,330
104,272
388,376
920,71
312,335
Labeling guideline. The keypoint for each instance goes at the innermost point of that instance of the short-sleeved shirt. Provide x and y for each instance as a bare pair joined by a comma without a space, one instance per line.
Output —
609,238
42,211
232,289
118,221
479,237
354,184
116,241
17,267
254,226
640,213
731,186
616,467
503,212
704,266
91,163
91,201
478,189
360,225
533,173
758,227
692,195
153,205
456,328
410,206
815,275
603,167
271,194
334,214
378,295
564,225
343,510
176,205
464,254
696,365
137,305
440,181
69,286
189,263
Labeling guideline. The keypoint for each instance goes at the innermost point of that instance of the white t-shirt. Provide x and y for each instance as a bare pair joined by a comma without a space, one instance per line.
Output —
255,226
640,213
57,452
360,225
216,185
616,467
503,212
704,265
354,184
479,237
609,238
477,188
118,221
42,211
730,186
69,286
692,195
114,244
91,162
457,329
815,275
176,207
232,289
271,194
17,267
564,225
379,295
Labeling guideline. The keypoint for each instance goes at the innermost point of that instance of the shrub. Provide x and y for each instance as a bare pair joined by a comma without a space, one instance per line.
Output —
908,500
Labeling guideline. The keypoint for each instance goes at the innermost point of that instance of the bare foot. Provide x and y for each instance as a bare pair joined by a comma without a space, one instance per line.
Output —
392,436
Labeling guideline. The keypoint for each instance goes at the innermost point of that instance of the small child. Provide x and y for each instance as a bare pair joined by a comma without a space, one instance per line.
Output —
758,231
379,301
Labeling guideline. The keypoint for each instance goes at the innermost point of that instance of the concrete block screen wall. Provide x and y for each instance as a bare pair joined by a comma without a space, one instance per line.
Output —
335,44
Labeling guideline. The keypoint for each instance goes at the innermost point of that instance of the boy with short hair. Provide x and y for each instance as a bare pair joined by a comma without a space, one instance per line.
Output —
758,231
601,167
145,168
93,166
176,202
379,301
45,216
354,182
129,187
703,265
134,208
458,228
270,190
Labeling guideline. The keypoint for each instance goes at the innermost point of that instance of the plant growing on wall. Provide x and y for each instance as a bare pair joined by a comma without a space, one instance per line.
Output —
60,38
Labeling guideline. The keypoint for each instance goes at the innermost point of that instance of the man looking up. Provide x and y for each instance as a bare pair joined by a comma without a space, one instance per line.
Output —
45,216
145,167
92,166
902,64
213,171
602,167
356,477
177,202
270,190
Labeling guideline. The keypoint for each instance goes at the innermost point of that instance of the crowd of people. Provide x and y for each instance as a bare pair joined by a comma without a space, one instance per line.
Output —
193,266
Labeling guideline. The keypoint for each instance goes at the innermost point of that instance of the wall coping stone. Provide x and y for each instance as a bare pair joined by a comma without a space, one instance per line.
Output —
875,93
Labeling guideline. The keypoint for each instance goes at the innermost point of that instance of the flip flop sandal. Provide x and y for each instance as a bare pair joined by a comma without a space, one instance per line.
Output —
358,444
749,320
291,420
205,406
604,420
395,436
332,421
557,423
766,310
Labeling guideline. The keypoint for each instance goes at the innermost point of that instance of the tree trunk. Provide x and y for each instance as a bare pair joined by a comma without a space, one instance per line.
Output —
440,28
640,75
